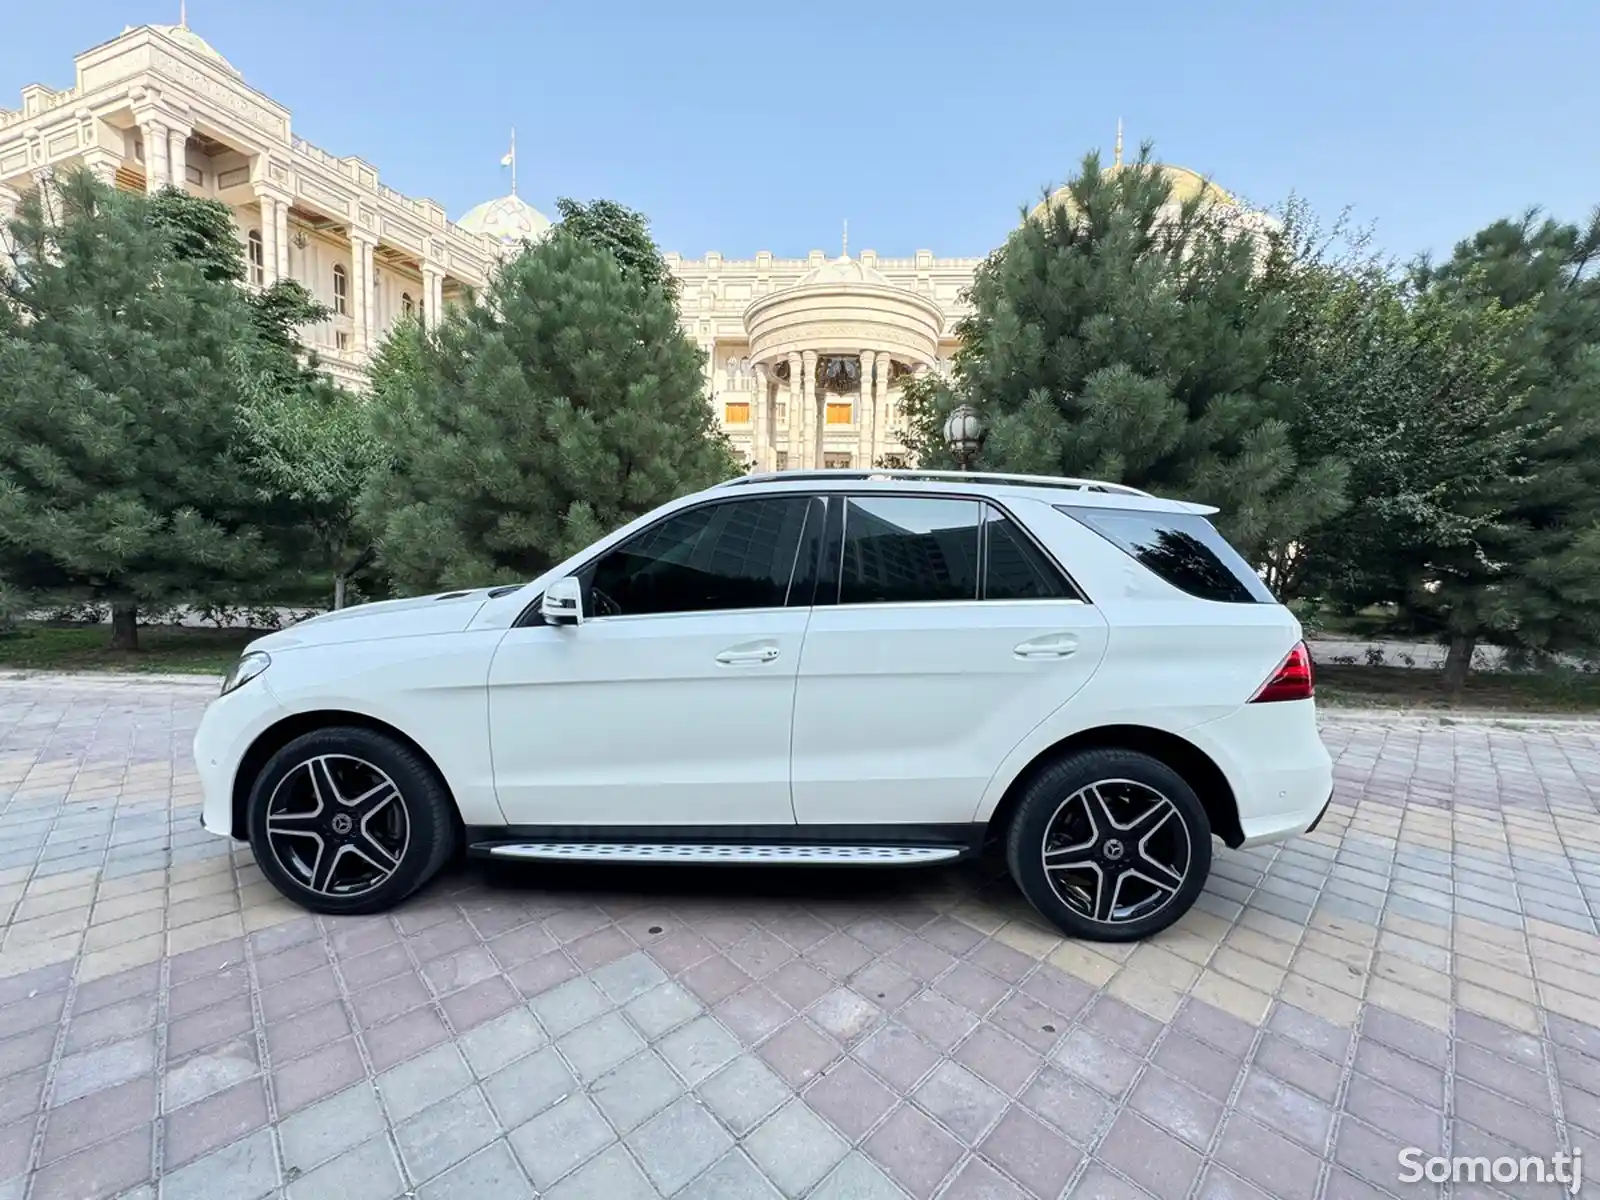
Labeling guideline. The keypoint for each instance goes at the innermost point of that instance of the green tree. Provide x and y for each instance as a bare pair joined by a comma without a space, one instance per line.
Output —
625,233
1534,585
1124,339
522,428
122,368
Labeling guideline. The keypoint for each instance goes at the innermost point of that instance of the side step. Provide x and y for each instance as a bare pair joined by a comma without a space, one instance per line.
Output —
724,852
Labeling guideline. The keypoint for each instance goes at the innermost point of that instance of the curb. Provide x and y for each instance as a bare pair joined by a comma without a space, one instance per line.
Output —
121,679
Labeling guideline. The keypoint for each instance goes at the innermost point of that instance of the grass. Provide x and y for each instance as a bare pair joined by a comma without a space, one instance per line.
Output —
1530,692
168,649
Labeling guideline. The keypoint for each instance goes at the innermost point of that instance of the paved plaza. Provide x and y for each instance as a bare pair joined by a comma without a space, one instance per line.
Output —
1421,972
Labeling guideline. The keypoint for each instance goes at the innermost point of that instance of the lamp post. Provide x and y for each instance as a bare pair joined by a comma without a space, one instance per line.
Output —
963,433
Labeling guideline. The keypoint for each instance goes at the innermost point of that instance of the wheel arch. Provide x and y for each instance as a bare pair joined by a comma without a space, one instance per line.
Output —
1198,769
278,735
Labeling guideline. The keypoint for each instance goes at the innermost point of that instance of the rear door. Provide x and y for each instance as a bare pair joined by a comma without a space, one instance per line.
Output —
942,635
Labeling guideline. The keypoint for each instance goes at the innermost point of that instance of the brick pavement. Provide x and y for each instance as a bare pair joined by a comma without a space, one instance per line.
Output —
1422,971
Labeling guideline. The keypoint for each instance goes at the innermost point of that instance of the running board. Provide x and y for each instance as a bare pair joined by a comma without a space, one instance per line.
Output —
724,852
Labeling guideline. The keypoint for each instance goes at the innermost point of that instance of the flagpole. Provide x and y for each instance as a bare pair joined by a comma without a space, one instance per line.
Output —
513,160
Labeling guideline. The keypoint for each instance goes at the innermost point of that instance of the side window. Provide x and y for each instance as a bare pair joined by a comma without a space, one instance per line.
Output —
1184,549
1014,568
900,549
740,554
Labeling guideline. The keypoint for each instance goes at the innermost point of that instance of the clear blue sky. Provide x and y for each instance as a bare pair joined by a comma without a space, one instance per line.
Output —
746,126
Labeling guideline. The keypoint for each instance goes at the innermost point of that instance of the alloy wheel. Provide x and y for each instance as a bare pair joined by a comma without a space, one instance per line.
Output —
337,825
1116,851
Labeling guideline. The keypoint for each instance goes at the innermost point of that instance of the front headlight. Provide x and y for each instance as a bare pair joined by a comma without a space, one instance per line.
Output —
247,668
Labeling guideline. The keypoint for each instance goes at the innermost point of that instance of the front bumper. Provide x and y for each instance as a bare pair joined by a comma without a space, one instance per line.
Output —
228,728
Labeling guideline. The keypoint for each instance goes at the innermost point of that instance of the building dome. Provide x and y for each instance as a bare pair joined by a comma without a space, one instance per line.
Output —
195,44
1186,185
507,220
842,272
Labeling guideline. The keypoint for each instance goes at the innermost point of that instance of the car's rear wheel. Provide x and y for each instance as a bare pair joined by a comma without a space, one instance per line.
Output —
347,820
1110,845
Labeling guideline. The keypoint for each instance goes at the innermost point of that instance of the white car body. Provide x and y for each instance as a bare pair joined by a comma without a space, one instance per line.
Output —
778,723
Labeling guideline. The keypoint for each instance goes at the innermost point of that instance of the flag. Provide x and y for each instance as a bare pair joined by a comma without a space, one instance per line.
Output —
506,161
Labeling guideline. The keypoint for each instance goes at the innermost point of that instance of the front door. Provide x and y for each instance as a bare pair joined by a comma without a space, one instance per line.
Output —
671,703
953,637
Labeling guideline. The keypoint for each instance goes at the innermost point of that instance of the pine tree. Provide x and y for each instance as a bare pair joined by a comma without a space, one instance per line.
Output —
1535,585
566,404
1115,340
625,233
121,365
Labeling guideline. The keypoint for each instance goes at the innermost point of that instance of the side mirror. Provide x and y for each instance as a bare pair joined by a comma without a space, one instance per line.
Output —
562,603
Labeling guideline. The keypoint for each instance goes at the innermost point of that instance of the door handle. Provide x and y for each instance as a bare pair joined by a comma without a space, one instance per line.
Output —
1047,647
763,654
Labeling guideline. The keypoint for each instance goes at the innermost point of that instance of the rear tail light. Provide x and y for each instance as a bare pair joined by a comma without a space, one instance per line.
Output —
1292,679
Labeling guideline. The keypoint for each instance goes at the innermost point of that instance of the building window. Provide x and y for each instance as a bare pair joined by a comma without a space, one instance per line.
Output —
782,462
736,412
342,340
838,414
341,290
836,462
780,412
408,307
258,258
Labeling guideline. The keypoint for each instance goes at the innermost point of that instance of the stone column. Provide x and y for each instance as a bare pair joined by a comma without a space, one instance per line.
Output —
808,401
269,238
280,238
178,157
157,164
102,164
797,430
361,286
866,417
761,425
433,295
880,407
10,200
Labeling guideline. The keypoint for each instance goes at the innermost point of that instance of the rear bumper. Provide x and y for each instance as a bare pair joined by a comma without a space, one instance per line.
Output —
1279,770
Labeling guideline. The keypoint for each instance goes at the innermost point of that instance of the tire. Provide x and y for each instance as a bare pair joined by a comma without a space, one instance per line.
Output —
375,802
1119,825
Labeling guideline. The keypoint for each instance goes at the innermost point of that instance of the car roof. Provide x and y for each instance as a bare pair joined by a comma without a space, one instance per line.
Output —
1088,493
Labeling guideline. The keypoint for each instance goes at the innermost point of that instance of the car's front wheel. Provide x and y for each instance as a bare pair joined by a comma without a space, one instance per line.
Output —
348,820
1110,845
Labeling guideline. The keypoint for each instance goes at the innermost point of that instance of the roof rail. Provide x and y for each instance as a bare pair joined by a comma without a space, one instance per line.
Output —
846,473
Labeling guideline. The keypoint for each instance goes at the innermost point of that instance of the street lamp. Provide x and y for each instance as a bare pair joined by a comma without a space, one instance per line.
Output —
963,433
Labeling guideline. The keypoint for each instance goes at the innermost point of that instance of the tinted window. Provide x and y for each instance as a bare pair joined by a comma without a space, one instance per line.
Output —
1014,568
907,548
735,555
1185,549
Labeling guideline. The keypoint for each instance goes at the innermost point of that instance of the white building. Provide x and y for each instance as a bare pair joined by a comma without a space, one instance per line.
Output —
804,356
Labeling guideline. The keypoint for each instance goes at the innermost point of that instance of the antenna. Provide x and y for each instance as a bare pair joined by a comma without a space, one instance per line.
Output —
1116,160
844,246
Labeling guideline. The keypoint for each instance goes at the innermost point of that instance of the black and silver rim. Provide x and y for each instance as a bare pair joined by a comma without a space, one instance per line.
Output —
1117,851
338,826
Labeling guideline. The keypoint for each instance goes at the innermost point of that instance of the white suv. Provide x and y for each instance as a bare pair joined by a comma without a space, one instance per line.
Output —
831,667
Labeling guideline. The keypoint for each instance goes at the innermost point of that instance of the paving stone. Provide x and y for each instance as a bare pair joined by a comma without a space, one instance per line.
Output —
636,1090
559,1139
676,1145
795,1148
441,1136
743,1093
423,1081
243,1170
368,1172
913,1151
611,1174
699,1049
600,1045
313,1135
529,1086
732,1177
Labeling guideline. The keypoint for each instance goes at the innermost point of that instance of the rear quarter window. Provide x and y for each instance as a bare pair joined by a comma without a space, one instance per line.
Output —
1184,549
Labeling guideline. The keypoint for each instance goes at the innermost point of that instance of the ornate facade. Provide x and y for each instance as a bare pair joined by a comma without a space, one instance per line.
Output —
805,357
